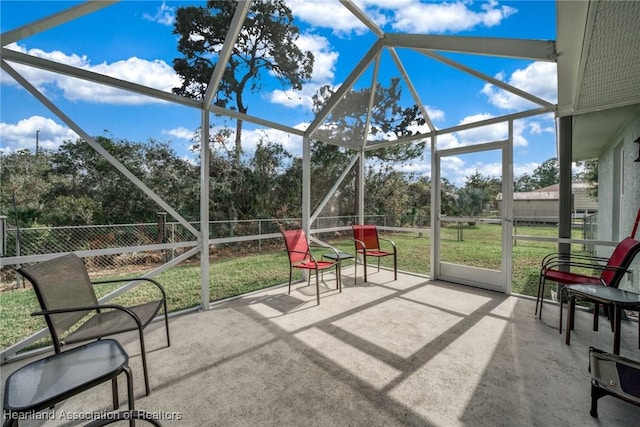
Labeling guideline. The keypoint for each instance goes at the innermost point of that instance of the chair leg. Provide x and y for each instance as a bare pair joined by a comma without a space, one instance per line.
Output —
538,296
166,322
355,269
570,318
609,310
395,266
596,393
541,298
130,395
145,372
290,278
317,286
114,393
560,321
364,264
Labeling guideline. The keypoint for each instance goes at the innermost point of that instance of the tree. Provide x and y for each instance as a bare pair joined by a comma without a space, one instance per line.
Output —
489,185
524,183
267,44
87,189
448,197
471,201
548,173
387,193
590,175
419,193
24,181
269,191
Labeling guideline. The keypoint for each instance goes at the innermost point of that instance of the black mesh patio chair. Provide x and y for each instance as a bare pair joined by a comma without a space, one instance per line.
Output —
72,312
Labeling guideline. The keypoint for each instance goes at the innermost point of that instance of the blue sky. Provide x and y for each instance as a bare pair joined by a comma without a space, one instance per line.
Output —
133,40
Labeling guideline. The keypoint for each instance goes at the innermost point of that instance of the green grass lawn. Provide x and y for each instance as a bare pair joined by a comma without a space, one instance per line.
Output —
231,276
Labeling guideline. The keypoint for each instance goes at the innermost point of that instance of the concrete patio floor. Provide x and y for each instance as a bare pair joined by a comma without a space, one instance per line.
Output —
385,353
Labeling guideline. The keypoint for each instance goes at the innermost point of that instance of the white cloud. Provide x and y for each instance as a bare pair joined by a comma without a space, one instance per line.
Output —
411,16
457,170
180,133
452,166
447,17
446,141
537,127
491,133
325,57
326,14
251,138
22,135
435,114
165,15
419,168
521,169
323,73
539,79
156,74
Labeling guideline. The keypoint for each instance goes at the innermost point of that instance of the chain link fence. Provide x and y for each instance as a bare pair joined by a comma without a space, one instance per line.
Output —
46,240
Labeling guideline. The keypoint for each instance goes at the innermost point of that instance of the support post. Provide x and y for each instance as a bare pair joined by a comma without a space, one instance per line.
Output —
3,235
564,196
306,184
203,237
360,189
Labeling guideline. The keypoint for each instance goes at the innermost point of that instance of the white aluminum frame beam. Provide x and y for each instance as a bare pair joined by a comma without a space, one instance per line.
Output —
374,145
371,54
203,236
372,97
411,87
358,13
333,189
237,23
537,50
493,81
54,20
90,76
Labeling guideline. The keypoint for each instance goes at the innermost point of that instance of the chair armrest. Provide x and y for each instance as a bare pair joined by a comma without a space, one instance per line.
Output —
90,308
559,257
359,245
146,279
323,246
390,241
599,267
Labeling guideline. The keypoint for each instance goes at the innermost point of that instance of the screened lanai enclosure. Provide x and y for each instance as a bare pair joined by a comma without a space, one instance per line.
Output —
382,115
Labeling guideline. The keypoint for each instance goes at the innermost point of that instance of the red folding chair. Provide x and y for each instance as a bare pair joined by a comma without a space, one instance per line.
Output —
556,268
300,256
367,243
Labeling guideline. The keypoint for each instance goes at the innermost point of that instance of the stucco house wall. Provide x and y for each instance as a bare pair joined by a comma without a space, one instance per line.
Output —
619,176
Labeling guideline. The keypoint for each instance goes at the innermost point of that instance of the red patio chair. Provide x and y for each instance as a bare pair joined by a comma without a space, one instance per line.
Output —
367,243
300,256
555,268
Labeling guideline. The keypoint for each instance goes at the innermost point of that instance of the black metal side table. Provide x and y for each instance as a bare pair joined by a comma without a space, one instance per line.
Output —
45,382
618,298
342,256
